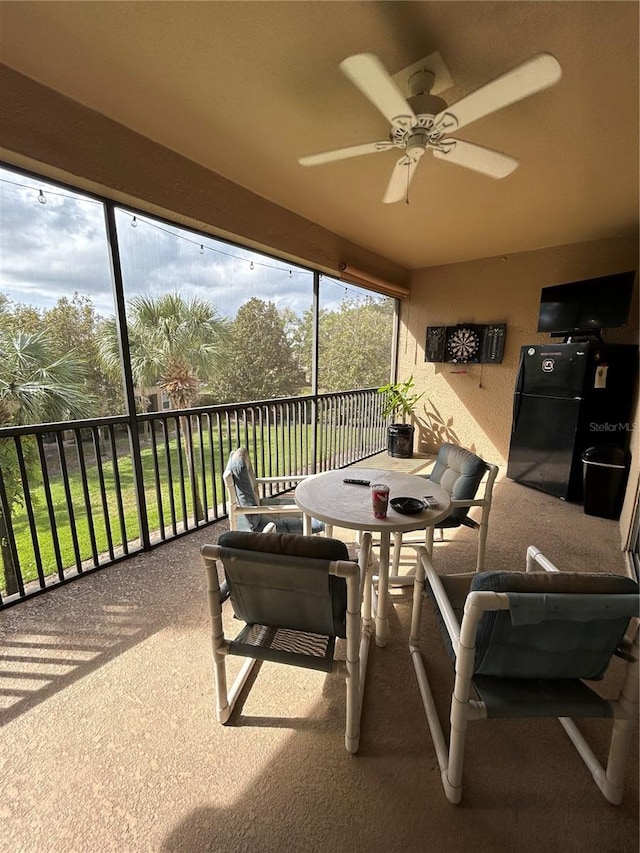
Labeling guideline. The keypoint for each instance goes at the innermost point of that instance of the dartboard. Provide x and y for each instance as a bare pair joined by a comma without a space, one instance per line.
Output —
463,344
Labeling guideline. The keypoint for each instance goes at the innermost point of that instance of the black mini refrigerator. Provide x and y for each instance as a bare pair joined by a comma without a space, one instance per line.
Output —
568,397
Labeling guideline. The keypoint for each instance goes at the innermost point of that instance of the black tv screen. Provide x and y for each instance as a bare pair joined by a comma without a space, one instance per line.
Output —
586,306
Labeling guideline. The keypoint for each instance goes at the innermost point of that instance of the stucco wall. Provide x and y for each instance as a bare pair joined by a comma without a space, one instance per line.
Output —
472,404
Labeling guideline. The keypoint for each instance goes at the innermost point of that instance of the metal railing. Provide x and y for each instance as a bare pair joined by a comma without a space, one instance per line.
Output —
78,496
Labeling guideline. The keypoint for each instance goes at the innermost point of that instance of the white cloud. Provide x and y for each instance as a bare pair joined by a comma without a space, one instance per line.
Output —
51,250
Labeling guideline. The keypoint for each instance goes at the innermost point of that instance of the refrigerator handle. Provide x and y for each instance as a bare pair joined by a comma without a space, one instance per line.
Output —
517,397
520,379
517,403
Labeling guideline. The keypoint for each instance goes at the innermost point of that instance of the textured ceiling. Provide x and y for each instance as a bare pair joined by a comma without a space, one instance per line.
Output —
245,88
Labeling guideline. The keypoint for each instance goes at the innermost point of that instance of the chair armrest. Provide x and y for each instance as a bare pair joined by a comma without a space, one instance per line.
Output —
285,478
472,502
364,557
279,509
535,559
268,509
446,610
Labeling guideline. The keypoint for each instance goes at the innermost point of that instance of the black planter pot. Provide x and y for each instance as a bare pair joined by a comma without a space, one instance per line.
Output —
400,440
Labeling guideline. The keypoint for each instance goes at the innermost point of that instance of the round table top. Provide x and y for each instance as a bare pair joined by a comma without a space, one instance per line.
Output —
326,497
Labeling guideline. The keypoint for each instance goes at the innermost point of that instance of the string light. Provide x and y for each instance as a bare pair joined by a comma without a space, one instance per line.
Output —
252,264
42,199
50,192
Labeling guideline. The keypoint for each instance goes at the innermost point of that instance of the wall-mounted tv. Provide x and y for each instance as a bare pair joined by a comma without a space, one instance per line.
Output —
586,306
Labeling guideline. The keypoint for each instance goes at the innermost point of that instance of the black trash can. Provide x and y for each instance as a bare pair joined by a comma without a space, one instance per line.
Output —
605,471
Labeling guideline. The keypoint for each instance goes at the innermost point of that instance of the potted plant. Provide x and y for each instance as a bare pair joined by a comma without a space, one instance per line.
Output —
400,401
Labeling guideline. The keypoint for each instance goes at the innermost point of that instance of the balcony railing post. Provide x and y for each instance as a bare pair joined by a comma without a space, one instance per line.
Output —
8,550
125,361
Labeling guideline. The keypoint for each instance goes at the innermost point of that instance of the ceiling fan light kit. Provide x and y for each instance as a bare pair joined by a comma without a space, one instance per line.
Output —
422,120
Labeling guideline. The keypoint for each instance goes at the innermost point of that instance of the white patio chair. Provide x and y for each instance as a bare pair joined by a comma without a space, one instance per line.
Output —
461,473
296,596
249,511
523,645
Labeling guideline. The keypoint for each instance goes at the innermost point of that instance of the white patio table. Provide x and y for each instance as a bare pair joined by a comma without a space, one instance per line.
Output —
328,498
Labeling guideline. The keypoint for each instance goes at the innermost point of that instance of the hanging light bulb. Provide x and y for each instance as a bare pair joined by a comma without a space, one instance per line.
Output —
290,274
42,197
134,222
201,249
251,265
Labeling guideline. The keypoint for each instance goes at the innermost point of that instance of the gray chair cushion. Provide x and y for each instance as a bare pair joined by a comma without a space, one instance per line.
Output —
242,479
276,589
512,644
459,472
287,545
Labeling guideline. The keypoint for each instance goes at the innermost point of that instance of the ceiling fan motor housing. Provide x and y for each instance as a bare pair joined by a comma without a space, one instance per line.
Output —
426,104
417,143
424,134
421,134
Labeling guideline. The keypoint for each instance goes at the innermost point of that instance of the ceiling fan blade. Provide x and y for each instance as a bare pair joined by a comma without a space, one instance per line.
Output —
485,160
401,177
344,153
534,75
368,73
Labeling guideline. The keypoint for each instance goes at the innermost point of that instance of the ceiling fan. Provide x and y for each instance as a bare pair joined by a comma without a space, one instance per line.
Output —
423,120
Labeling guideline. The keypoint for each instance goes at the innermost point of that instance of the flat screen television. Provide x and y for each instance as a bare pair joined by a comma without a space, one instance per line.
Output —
586,306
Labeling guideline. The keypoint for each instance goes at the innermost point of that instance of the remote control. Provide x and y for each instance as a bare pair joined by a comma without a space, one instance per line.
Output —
358,482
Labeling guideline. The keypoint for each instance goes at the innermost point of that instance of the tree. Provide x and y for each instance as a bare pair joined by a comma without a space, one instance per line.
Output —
262,363
175,344
354,347
36,386
73,324
16,317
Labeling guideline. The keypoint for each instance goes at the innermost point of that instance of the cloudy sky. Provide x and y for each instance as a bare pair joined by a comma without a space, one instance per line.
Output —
53,243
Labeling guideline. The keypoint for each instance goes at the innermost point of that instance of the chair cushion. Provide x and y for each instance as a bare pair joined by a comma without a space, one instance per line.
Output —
459,472
276,591
239,466
512,644
286,544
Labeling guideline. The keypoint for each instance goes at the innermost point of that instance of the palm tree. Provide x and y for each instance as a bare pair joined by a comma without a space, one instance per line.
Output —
176,344
35,387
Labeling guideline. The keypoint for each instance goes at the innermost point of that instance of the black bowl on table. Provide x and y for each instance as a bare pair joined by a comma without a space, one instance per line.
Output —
407,506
